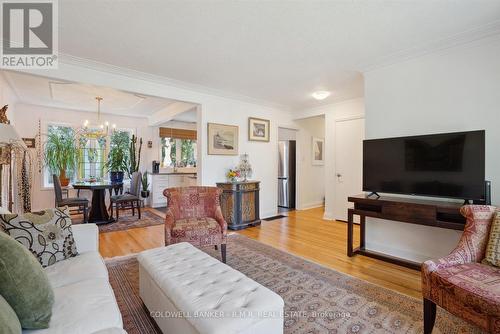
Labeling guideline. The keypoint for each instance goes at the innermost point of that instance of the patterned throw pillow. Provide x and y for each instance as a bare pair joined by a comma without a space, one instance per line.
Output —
47,234
493,248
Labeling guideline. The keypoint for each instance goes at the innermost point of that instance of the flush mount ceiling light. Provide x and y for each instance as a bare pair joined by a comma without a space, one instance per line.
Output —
321,95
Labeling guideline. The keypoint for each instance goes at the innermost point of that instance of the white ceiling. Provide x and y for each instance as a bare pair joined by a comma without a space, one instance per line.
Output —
274,51
69,95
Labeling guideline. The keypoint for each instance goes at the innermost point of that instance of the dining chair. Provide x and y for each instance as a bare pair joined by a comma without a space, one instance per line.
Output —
80,203
128,200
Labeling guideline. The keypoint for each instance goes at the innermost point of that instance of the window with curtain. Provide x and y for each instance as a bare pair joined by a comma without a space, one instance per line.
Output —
177,147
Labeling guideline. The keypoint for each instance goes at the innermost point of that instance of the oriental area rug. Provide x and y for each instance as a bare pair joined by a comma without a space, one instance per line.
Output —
317,299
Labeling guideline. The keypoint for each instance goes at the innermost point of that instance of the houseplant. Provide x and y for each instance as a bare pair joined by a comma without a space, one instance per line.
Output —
117,162
145,186
135,155
61,153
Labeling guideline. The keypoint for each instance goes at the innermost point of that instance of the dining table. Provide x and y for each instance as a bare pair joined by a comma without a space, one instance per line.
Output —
98,211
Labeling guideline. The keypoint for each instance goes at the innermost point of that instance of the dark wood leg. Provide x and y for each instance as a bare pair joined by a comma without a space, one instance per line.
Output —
139,209
99,212
133,209
85,213
362,224
216,248
117,211
350,231
429,315
223,252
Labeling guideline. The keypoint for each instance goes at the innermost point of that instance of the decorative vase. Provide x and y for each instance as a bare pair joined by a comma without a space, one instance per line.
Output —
63,178
116,177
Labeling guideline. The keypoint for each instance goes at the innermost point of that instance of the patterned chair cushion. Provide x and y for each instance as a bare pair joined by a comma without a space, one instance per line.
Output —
197,231
493,248
475,285
47,234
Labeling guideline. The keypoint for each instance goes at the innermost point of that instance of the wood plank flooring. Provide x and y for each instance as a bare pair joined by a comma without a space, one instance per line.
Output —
302,233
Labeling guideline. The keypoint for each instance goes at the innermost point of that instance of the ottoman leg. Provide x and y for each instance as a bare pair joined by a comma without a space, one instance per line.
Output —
223,252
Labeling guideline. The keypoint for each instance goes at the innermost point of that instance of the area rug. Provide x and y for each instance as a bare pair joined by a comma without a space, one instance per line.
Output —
127,221
317,299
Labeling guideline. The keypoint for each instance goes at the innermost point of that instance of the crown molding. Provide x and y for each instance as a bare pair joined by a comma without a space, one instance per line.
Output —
481,34
117,70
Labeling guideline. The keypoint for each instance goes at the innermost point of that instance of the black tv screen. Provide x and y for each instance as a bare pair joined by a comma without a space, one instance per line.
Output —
447,165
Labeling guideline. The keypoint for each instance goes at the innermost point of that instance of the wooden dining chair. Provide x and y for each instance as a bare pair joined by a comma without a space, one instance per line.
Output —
80,203
128,200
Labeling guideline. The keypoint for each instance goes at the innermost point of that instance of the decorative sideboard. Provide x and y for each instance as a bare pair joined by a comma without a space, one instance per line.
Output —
240,204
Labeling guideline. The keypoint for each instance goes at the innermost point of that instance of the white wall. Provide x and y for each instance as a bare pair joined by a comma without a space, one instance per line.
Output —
214,108
7,96
27,117
455,90
354,108
311,178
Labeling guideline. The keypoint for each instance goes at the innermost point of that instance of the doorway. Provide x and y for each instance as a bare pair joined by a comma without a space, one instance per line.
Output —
349,135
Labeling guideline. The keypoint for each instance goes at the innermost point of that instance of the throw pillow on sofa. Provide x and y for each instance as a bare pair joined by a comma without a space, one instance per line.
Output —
24,284
493,247
9,323
47,234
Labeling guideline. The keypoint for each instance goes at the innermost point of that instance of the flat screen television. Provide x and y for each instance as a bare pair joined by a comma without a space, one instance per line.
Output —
450,165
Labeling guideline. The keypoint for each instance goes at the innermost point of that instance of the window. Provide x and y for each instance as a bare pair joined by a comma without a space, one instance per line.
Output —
177,152
54,129
92,154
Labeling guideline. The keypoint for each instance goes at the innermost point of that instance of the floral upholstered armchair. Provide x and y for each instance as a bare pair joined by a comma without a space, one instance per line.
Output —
459,282
194,215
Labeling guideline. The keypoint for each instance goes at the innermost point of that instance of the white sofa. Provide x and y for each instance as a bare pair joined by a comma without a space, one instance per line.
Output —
84,300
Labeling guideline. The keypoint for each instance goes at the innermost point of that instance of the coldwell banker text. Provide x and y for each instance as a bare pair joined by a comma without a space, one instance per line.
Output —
29,35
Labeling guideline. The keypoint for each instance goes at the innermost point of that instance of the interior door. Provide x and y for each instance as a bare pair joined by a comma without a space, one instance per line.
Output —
349,135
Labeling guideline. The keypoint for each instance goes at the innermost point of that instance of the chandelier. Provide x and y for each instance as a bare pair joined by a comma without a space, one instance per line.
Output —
99,130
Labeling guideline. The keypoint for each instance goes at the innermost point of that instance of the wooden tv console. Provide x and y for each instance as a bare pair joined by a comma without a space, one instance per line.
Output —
404,210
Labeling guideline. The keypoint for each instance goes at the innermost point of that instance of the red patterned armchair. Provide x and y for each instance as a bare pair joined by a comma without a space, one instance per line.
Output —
459,283
194,215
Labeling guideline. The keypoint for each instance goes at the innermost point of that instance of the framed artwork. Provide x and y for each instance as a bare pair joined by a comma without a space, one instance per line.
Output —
30,142
318,151
258,129
222,139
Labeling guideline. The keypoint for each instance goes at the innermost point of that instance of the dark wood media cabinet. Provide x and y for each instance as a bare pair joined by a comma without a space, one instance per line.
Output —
405,210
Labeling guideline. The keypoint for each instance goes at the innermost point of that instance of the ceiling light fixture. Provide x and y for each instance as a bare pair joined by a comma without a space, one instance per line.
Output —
99,130
321,94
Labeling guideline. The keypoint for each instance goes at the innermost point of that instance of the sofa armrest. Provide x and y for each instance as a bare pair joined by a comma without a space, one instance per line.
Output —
86,237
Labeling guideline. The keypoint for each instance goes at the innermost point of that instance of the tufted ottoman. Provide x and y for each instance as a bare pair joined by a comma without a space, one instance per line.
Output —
187,291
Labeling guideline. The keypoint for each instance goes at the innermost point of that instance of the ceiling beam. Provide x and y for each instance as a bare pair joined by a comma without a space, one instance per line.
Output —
169,112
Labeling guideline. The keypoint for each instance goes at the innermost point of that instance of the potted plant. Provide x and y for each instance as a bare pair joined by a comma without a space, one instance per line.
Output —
117,163
61,153
145,186
134,155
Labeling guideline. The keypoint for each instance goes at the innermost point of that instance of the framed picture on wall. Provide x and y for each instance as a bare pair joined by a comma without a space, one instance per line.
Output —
258,129
318,151
222,139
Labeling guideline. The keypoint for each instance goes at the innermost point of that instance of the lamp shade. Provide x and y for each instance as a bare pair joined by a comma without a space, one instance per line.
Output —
9,135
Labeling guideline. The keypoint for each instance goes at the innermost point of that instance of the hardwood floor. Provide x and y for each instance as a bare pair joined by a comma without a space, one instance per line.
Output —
302,233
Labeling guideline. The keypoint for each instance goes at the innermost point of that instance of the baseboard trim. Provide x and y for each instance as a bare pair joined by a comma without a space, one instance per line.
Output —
328,216
311,205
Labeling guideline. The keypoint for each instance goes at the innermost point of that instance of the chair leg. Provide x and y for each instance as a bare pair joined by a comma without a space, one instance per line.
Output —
117,211
223,252
110,209
139,209
85,214
216,248
133,209
429,315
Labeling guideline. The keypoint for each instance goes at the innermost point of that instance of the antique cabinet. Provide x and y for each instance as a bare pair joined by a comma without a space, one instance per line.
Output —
240,204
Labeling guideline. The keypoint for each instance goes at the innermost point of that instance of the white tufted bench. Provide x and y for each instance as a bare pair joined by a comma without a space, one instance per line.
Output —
187,291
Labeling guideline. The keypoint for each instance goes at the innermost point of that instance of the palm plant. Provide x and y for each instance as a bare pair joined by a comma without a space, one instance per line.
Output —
61,152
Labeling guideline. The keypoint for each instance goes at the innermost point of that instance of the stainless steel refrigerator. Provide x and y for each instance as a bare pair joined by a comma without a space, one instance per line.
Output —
286,174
